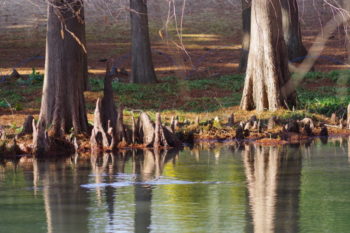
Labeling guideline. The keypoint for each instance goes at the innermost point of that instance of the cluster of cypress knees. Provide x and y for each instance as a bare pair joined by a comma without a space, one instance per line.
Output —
109,131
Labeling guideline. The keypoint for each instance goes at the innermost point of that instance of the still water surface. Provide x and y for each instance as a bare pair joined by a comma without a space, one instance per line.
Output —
222,188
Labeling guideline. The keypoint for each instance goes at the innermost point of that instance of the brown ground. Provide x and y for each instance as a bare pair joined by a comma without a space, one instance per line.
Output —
211,37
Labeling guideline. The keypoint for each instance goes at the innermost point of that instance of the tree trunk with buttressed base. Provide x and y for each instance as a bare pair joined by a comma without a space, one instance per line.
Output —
63,104
267,85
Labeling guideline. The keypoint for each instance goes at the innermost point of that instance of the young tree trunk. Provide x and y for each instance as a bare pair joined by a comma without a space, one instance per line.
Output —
63,104
267,73
141,56
246,12
291,30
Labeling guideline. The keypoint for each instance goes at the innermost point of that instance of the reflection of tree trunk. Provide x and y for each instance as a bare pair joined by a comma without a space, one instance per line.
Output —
273,177
288,189
99,165
261,172
148,165
144,168
110,193
65,201
143,201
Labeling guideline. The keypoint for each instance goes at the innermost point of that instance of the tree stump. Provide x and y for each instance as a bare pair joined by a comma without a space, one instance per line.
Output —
145,129
196,121
271,123
159,137
155,134
27,127
99,136
253,118
2,133
41,141
174,123
239,133
293,127
324,131
133,130
308,121
121,135
231,120
334,119
255,125
341,123
248,125
307,130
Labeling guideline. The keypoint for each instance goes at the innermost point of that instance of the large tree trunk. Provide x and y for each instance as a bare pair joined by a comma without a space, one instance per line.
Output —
246,11
291,30
63,104
142,65
267,70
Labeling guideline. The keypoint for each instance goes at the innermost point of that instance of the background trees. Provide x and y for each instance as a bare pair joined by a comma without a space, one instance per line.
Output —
246,12
291,30
142,70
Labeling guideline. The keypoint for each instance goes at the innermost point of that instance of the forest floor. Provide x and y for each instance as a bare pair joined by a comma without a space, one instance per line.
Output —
200,80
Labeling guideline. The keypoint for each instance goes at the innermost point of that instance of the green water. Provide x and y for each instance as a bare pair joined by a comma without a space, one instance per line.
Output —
209,188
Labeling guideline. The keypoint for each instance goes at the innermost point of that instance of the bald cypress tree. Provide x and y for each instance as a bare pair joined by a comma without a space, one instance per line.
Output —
142,70
63,104
267,85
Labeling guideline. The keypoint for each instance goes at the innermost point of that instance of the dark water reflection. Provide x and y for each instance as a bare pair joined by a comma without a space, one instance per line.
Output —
210,188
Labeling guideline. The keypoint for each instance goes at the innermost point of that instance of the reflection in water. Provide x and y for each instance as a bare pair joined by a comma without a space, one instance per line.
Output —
65,201
147,165
273,180
221,188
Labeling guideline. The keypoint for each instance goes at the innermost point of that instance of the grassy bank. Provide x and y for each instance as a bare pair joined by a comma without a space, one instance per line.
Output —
322,93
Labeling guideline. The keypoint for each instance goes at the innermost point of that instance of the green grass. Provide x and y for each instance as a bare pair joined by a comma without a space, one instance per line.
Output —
200,95
332,98
172,93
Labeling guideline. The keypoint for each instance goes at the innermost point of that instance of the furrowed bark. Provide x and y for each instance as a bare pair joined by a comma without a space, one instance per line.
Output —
63,104
266,83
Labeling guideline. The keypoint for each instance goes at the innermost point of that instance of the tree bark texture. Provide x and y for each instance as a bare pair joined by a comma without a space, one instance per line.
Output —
141,56
63,104
291,30
266,84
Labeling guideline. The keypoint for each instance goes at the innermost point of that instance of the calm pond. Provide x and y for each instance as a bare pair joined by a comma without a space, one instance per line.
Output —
209,188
